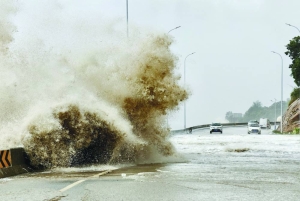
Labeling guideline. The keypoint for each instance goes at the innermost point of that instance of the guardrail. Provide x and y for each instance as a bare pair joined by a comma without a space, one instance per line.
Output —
190,129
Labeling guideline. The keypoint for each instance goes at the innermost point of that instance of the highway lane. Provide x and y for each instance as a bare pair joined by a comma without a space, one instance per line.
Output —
228,166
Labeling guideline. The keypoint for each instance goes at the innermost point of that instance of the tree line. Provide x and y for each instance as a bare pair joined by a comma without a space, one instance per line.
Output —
257,111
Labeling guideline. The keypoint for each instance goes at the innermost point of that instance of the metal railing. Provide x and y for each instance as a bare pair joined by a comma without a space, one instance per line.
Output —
190,129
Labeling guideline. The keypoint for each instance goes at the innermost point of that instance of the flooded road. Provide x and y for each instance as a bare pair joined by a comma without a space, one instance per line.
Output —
229,166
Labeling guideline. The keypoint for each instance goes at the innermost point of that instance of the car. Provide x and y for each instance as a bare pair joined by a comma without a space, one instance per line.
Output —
254,128
253,122
216,127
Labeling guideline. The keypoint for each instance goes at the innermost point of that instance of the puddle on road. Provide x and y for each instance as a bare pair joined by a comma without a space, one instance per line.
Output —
51,174
137,169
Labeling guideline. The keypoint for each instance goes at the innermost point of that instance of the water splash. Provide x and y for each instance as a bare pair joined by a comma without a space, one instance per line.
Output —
75,101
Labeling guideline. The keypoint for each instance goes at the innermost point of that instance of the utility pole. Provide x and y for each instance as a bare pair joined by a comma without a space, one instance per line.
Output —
281,88
184,86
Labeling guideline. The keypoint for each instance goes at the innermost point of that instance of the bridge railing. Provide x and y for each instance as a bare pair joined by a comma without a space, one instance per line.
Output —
190,129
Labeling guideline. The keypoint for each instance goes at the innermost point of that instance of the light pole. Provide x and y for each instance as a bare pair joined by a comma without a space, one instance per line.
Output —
275,122
168,33
174,29
281,88
127,16
184,86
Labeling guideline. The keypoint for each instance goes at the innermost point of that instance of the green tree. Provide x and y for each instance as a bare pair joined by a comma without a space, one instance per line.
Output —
228,116
255,112
233,118
294,95
294,53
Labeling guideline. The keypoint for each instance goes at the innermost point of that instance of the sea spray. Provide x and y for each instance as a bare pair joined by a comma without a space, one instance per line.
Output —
84,136
8,8
87,98
69,135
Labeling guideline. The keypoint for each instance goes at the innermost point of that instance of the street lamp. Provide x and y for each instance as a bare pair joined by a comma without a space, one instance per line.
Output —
292,26
127,15
281,88
168,33
174,29
184,86
275,122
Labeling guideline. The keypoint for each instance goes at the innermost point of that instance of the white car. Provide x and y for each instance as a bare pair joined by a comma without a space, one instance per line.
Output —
254,128
216,127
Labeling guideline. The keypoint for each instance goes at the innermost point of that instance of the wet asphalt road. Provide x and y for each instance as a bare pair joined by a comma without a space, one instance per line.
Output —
228,166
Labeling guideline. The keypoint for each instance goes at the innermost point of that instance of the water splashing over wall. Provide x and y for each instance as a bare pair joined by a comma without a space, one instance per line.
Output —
94,97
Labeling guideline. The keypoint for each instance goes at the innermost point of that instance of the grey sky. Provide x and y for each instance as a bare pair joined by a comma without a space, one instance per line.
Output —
233,39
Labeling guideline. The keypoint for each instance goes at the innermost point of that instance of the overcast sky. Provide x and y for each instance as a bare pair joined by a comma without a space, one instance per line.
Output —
233,65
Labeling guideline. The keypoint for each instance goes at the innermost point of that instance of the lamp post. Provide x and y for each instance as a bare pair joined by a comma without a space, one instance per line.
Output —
127,16
275,122
168,33
184,86
174,29
281,88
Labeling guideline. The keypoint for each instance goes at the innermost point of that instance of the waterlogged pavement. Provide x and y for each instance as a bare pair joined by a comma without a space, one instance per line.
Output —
238,166
228,166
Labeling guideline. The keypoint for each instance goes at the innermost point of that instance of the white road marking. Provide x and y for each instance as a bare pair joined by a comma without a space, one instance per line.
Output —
80,181
71,185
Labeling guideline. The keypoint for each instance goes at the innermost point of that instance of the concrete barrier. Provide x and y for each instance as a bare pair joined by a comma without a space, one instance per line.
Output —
13,162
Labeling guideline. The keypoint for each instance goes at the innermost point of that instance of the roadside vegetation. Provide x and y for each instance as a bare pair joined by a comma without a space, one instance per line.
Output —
293,51
276,132
296,131
294,95
257,111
